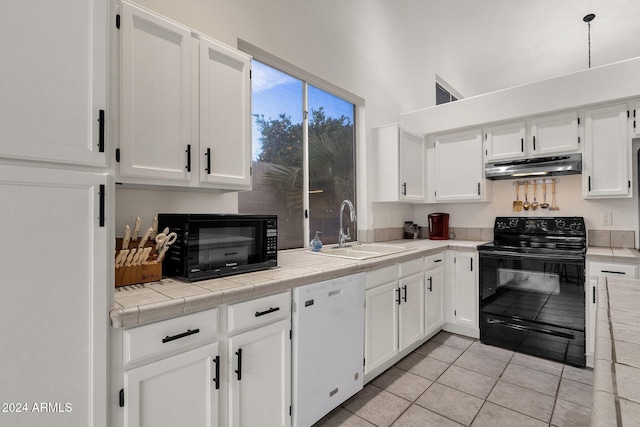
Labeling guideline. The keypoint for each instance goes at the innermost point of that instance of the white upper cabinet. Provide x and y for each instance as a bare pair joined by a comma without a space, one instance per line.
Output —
185,106
607,153
53,81
505,141
553,134
155,81
225,116
459,167
399,157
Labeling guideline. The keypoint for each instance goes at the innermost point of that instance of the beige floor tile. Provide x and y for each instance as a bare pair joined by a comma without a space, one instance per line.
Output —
523,400
544,365
377,406
402,383
422,365
531,379
451,403
568,414
439,351
496,416
583,375
481,364
416,416
340,417
576,392
470,382
453,340
491,351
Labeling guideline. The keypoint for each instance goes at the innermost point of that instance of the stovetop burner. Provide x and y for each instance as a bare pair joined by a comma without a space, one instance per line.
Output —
549,235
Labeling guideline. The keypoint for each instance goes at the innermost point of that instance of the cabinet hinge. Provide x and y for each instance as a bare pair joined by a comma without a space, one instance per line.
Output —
455,313
121,398
578,121
578,140
290,334
250,76
486,152
628,184
118,21
290,410
117,155
250,170
628,114
364,362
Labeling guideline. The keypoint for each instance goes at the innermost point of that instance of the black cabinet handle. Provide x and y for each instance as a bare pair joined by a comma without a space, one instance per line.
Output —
589,182
478,189
534,143
208,154
101,208
101,131
182,335
471,264
188,157
398,297
437,260
216,379
613,272
239,370
271,310
522,145
594,294
404,288
430,284
404,188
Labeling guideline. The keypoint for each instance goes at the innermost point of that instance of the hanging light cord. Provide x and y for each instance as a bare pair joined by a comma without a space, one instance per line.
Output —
588,18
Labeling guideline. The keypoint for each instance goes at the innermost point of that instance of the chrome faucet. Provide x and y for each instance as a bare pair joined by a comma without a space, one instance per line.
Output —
341,235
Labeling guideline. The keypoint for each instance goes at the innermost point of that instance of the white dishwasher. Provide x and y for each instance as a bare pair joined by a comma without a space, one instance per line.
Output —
328,346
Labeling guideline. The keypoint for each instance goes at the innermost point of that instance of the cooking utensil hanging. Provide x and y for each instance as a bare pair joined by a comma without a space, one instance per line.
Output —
517,205
526,205
553,207
544,204
534,205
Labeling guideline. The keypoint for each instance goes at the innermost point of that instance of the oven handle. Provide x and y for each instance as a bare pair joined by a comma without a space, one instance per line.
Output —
529,255
529,328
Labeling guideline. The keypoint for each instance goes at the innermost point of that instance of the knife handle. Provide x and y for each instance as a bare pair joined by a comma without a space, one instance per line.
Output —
132,252
123,257
136,229
146,236
126,238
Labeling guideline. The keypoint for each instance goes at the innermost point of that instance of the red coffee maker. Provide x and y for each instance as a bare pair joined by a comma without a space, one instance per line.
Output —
438,226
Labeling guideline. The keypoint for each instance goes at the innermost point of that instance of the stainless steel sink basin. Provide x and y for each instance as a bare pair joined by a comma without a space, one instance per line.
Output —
364,251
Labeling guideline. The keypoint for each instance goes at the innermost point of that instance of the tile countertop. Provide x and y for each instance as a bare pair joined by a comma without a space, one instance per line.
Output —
596,253
150,302
616,382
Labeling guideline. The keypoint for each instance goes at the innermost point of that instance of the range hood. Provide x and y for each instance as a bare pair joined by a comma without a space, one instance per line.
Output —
535,167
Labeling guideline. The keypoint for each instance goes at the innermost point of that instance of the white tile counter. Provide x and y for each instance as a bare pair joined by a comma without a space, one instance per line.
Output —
151,302
616,384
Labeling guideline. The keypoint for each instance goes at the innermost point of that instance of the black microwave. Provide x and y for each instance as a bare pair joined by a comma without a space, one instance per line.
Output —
216,245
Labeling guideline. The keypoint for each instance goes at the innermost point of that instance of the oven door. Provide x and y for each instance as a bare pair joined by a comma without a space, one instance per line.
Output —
534,304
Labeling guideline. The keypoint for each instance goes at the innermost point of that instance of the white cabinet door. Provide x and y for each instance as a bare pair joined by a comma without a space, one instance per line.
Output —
506,141
179,390
412,167
554,134
381,325
411,316
459,167
260,376
399,163
54,293
466,289
53,80
225,116
607,153
434,302
155,122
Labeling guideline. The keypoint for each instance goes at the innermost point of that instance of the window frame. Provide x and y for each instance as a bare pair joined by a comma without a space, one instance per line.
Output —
311,79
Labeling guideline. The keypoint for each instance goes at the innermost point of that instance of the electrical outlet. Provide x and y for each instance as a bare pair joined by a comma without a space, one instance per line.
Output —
606,219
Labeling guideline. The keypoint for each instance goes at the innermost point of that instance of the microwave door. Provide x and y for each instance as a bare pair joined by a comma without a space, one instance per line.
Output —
226,247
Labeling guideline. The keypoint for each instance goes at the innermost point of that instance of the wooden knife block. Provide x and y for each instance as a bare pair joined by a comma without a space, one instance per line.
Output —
142,273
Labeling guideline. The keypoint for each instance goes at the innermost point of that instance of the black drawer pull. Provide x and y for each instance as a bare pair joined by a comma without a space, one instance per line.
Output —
613,272
437,260
430,284
271,310
216,380
182,335
239,370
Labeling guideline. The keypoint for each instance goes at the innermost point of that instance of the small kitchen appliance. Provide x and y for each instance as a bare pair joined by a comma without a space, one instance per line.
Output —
216,245
438,226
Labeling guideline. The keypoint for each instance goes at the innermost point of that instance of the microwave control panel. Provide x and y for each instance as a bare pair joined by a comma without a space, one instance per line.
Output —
272,239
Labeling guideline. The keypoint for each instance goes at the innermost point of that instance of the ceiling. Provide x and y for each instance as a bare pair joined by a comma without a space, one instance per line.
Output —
495,44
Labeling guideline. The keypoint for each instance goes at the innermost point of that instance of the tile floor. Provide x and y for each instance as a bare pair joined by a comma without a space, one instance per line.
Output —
453,380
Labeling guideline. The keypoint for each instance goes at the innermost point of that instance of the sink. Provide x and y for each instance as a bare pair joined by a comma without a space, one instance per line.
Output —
364,251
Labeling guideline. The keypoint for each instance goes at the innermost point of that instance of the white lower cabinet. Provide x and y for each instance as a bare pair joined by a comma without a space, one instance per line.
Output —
461,296
259,362
595,270
394,313
434,293
179,390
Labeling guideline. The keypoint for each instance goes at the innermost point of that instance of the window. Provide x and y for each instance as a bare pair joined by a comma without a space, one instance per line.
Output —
303,157
443,95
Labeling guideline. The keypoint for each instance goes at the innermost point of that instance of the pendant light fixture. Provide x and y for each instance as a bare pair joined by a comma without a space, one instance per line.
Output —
588,18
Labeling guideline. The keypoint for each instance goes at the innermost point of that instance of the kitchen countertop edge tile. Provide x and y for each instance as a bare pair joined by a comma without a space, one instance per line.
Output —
299,267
